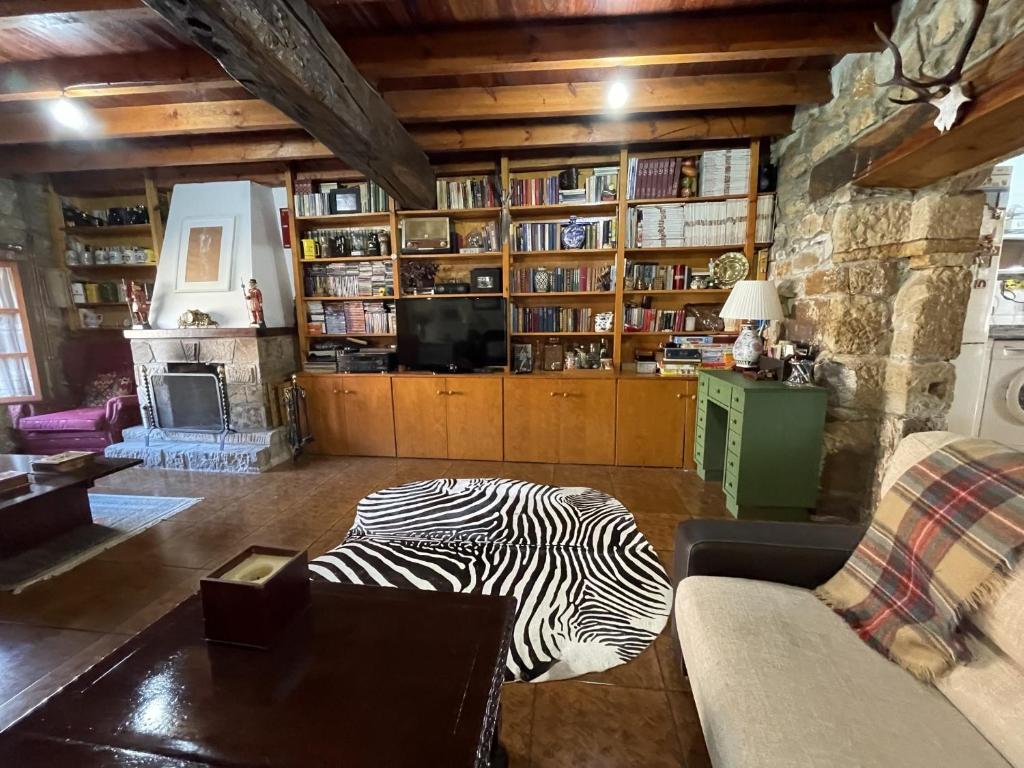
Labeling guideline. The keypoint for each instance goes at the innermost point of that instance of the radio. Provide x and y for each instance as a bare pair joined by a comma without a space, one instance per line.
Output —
451,287
426,235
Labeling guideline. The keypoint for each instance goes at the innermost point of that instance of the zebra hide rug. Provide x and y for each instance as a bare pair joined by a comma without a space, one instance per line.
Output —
589,588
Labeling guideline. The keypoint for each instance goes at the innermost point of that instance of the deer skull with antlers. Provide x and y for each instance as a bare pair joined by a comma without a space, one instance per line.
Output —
947,94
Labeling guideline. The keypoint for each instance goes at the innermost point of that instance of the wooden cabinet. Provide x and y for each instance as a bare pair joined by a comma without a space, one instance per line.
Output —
549,419
350,415
453,417
654,422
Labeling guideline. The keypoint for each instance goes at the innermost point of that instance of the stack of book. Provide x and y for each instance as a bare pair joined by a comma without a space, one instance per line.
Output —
644,276
69,461
363,278
314,198
539,189
321,361
470,192
315,319
712,354
537,236
12,482
653,177
682,225
584,185
561,279
641,320
764,228
725,172
593,185
550,319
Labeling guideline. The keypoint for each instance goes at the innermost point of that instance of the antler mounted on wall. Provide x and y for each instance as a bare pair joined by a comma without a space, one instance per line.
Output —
946,93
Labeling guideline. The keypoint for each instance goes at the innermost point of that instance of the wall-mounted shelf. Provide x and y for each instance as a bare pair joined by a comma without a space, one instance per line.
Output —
339,220
462,214
565,209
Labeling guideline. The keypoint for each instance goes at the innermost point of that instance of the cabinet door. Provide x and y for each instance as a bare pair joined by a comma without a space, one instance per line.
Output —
326,414
369,415
651,422
532,416
421,429
474,418
587,423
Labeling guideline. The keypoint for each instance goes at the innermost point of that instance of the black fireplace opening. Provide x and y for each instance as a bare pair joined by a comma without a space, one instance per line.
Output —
189,396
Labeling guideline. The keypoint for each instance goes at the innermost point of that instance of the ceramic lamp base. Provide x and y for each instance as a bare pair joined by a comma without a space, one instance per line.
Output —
747,349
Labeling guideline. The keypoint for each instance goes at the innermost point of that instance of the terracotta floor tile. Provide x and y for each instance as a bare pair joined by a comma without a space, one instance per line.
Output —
688,731
27,653
641,672
660,529
602,726
517,722
185,545
670,661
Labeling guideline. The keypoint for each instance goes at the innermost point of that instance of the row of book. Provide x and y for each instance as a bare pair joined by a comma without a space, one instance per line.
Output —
644,276
351,317
362,278
470,192
682,225
660,177
640,320
572,185
551,319
327,197
107,292
712,353
543,236
561,279
725,172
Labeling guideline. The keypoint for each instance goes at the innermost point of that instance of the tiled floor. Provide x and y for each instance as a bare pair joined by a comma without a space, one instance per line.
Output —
639,714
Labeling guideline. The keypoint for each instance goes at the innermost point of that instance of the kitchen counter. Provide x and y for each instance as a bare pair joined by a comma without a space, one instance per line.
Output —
1006,332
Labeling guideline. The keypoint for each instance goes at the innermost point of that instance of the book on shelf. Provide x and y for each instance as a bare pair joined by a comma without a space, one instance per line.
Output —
547,236
586,279
68,461
12,480
467,192
572,185
551,319
327,198
352,278
656,177
644,276
725,172
351,317
685,225
642,320
486,235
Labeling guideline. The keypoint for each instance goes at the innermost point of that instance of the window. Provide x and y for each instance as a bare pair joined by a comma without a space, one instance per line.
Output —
18,379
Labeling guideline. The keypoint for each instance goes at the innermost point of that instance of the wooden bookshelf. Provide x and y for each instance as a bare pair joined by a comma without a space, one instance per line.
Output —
149,235
623,343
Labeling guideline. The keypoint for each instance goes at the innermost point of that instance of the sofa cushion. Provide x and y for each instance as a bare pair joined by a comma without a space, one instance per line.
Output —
75,420
781,680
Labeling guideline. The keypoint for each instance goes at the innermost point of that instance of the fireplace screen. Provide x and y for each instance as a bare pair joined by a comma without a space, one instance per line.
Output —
187,401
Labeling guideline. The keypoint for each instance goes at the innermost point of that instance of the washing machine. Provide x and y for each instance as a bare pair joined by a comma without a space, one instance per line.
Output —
1003,416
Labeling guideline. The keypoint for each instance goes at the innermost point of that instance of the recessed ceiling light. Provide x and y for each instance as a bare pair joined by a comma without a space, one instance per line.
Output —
69,114
618,94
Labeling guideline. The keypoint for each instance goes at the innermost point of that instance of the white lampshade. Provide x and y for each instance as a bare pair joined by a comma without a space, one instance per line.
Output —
752,300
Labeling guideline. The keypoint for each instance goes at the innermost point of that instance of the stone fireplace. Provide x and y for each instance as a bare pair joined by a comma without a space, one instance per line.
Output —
209,398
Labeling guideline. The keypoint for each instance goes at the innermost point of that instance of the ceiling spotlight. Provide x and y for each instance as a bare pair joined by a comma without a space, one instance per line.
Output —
68,114
618,94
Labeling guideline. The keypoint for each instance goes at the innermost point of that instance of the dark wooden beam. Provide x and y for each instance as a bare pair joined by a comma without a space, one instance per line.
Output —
11,8
282,53
908,151
664,94
436,140
620,42
110,74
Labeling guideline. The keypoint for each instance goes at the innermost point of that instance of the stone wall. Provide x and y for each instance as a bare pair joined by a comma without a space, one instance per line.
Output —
879,278
24,221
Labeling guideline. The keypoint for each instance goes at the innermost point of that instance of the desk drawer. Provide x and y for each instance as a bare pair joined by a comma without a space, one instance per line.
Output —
702,385
720,392
735,440
698,452
729,483
698,436
732,465
737,399
735,421
702,415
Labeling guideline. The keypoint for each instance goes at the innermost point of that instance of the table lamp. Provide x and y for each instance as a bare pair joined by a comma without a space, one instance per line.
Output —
751,300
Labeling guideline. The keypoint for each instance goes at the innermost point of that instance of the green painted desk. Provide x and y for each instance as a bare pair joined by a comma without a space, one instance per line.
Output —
763,441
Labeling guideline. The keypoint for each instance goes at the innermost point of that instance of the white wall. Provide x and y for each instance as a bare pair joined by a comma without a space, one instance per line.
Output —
256,252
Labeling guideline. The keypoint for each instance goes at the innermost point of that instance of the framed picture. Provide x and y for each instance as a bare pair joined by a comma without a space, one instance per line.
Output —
345,200
522,355
205,254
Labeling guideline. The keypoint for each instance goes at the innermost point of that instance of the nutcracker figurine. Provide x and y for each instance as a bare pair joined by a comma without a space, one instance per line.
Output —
254,302
138,304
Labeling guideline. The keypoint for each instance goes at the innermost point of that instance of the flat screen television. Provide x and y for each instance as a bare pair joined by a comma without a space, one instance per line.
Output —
452,334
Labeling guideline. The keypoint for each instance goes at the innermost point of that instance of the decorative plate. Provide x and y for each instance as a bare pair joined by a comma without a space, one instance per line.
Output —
729,268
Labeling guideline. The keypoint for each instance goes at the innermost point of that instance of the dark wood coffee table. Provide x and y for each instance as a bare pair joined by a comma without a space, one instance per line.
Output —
369,676
52,504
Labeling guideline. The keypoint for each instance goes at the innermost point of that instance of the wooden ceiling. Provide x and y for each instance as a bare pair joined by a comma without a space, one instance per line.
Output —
463,76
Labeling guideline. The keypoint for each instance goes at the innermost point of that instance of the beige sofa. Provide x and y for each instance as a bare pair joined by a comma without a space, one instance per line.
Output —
781,680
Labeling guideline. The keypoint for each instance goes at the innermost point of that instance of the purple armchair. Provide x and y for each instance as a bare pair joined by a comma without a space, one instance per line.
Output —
47,428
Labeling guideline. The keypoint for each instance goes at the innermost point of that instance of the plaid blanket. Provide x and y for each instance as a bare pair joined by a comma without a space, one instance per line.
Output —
943,540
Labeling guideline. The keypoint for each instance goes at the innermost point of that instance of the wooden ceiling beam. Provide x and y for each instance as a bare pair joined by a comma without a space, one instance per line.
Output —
281,52
112,74
621,42
665,94
12,8
436,140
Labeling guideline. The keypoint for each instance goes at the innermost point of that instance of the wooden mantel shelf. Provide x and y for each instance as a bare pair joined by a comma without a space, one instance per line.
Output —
246,332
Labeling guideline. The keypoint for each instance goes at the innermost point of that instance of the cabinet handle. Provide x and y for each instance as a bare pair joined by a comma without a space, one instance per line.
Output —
348,392
679,397
335,391
451,392
440,392
552,393
693,397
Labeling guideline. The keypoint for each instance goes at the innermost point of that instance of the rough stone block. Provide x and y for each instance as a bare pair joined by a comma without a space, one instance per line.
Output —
877,226
928,313
849,468
960,259
834,280
241,374
142,352
169,351
246,350
939,215
217,350
873,278
853,382
857,325
919,390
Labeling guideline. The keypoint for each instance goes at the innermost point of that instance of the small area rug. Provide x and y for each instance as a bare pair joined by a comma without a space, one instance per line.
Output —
116,517
590,590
